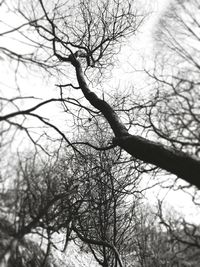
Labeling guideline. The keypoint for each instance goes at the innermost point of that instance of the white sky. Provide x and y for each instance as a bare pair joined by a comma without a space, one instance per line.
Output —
140,45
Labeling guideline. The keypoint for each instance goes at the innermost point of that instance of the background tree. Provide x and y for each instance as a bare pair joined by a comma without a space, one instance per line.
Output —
41,202
183,236
111,203
174,114
90,198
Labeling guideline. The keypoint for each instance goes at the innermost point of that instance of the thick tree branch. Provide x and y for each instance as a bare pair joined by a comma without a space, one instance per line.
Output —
117,126
173,161
176,162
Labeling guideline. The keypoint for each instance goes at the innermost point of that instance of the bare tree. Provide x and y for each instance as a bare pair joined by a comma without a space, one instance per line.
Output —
38,203
112,196
84,38
174,115
182,235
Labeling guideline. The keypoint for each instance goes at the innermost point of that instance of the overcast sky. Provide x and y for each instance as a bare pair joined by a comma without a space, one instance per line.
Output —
141,44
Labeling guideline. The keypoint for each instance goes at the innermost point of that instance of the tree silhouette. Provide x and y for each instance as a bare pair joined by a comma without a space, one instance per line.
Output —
83,39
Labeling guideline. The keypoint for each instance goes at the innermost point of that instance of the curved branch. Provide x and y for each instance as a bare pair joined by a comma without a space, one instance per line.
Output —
176,162
98,243
29,110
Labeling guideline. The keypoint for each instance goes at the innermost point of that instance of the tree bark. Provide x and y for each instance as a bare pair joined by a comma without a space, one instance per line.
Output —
175,162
